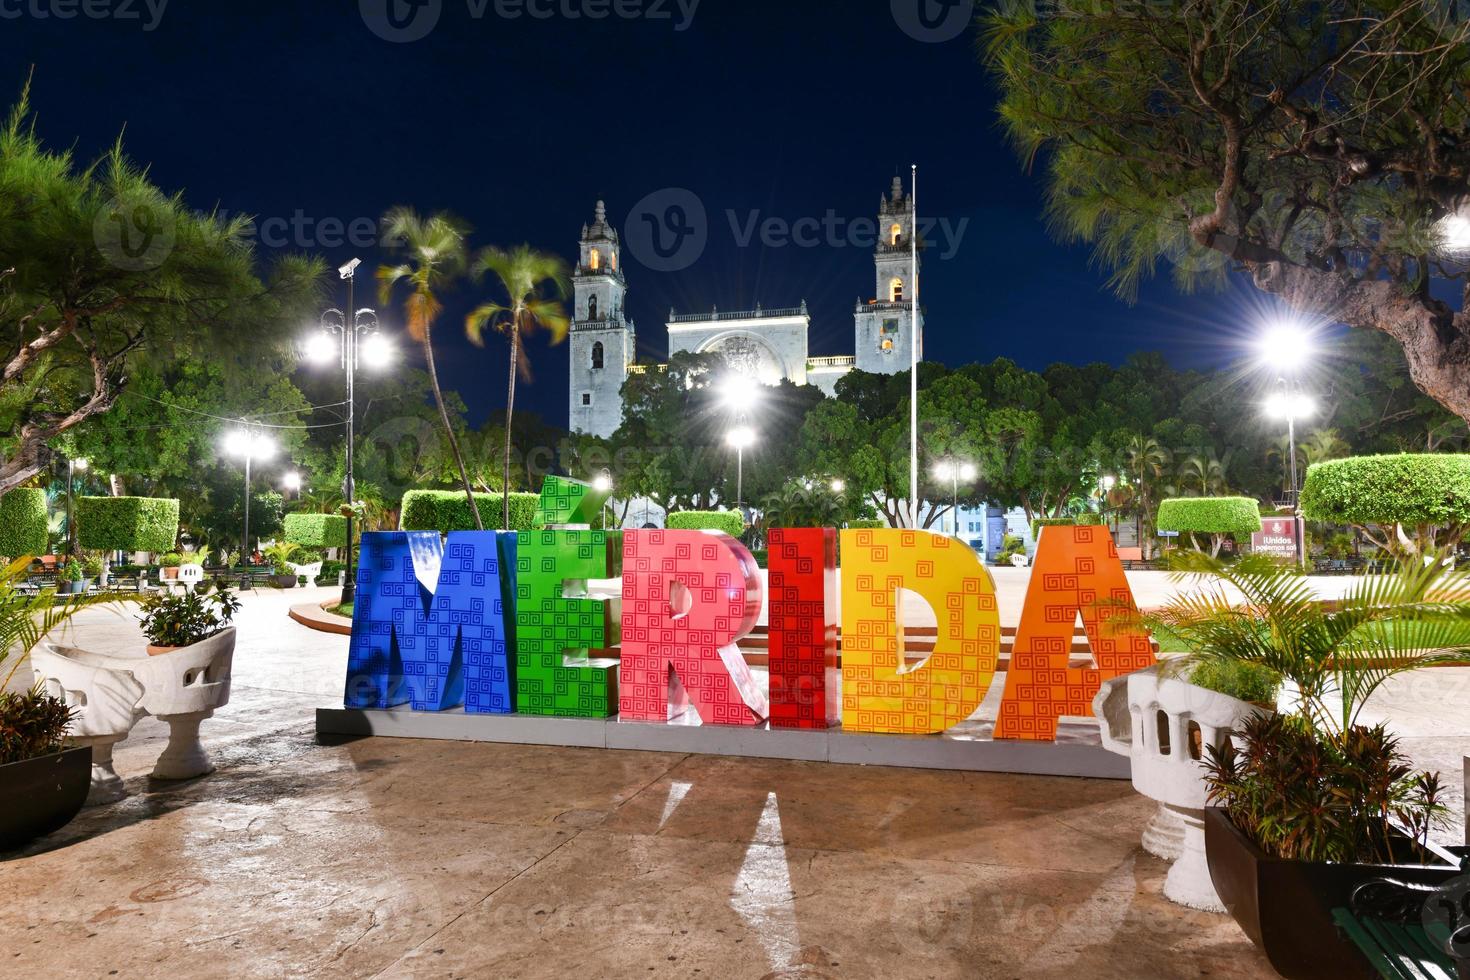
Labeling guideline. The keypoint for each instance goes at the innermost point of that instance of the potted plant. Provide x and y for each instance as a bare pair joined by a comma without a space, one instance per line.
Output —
172,622
1310,802
169,564
93,569
42,783
279,555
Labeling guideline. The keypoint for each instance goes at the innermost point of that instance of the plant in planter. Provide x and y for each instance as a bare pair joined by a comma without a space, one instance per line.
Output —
279,555
169,564
1312,802
173,621
43,785
92,568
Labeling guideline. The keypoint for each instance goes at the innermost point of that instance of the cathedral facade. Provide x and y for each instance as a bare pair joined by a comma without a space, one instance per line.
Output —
767,344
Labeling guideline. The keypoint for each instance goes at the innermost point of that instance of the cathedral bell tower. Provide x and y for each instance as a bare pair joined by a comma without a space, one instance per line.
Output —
884,328
602,341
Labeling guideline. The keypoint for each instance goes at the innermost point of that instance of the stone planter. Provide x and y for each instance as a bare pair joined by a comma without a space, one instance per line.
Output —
105,703
1163,724
42,795
283,581
1285,907
309,572
181,686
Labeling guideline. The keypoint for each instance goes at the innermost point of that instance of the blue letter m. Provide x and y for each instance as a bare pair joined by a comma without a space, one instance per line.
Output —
432,650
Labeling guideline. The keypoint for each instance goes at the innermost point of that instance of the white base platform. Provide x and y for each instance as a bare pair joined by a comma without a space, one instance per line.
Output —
947,751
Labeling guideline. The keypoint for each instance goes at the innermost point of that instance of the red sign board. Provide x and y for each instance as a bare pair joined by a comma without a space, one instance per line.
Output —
1277,537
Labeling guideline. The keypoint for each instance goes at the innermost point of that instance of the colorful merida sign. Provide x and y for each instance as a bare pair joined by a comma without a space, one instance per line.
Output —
502,622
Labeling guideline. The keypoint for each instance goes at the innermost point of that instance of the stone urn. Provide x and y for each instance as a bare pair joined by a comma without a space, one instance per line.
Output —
105,703
1164,725
181,686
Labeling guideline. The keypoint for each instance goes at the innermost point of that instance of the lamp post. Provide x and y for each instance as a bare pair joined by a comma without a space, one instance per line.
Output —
1105,486
376,353
249,446
954,471
603,483
1285,348
292,482
739,438
73,466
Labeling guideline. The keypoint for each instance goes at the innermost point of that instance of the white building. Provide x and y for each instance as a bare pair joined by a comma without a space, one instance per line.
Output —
768,344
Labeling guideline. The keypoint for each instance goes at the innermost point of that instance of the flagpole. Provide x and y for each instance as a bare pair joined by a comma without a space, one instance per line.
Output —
914,350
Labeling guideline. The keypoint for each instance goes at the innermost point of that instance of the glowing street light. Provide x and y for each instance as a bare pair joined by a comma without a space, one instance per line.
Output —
361,344
1454,233
249,446
954,471
839,486
739,391
1286,346
740,438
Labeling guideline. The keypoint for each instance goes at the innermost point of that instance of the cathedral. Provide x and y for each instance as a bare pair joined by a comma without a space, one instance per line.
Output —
767,344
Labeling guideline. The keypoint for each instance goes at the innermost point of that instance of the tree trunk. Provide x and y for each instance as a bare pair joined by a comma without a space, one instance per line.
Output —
464,476
510,405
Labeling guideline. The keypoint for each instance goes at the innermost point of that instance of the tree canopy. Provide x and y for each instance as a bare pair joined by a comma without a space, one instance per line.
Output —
1321,148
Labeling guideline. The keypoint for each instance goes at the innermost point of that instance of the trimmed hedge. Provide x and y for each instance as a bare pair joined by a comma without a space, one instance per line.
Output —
448,510
1042,522
867,524
127,523
317,531
728,521
1409,489
1209,515
23,523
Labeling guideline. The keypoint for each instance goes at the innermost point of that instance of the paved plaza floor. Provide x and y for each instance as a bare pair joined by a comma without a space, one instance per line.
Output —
392,858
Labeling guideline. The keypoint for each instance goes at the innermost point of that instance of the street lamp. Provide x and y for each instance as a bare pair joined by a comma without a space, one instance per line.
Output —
375,352
292,482
73,467
249,446
1291,406
740,438
603,483
954,471
839,486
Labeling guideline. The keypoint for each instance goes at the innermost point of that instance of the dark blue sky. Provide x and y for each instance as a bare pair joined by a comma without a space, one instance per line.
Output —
300,114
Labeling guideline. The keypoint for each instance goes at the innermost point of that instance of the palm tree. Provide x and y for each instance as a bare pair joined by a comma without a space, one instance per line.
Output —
1323,445
1146,461
435,252
534,284
1204,472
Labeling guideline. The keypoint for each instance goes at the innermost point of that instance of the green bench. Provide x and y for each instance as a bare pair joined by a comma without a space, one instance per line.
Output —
1385,921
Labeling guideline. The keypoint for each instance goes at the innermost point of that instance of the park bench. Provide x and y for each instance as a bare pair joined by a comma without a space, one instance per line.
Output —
1385,920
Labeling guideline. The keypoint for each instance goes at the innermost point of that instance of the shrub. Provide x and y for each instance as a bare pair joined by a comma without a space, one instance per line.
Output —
127,523
23,523
31,724
182,620
1417,494
171,560
1219,517
728,521
448,510
1303,797
1240,679
866,524
317,531
1010,546
1042,522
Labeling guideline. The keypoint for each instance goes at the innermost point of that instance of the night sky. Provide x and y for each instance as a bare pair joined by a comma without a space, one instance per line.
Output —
302,115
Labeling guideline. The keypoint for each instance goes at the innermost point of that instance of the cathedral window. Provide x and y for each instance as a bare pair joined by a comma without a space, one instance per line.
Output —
895,234
895,291
586,398
597,355
595,258
592,308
